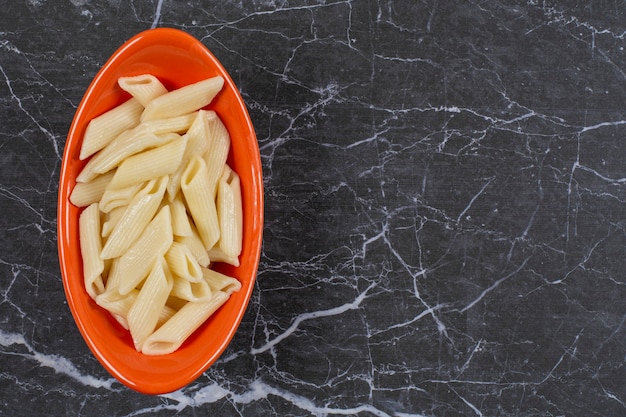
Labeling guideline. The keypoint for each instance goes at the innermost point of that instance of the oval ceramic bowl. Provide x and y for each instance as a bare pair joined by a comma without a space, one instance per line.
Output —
177,59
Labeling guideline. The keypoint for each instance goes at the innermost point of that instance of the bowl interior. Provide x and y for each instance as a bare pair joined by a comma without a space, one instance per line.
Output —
177,59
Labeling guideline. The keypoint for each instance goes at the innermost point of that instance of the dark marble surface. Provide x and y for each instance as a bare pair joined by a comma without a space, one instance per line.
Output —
445,207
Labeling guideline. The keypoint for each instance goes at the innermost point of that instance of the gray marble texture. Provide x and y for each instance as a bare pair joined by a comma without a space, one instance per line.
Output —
445,187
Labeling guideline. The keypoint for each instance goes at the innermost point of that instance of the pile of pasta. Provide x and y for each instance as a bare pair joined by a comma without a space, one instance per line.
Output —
161,205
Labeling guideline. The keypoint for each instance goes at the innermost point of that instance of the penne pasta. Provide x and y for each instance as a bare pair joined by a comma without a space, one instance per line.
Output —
143,315
136,217
113,198
218,145
220,282
229,213
197,144
149,164
104,128
144,88
90,246
134,265
180,220
86,193
117,304
191,291
125,145
183,100
199,128
178,124
200,201
171,335
216,254
112,218
147,258
196,247
182,262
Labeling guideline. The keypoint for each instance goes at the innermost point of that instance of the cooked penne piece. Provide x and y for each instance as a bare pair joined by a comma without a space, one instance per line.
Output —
217,150
90,247
195,245
117,304
134,265
86,193
171,335
143,315
220,282
112,218
128,143
197,144
229,213
201,201
136,217
200,128
183,100
177,124
144,88
180,219
113,198
182,262
191,291
149,164
216,254
104,128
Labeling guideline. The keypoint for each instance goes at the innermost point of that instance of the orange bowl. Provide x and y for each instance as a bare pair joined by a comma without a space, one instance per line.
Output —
177,59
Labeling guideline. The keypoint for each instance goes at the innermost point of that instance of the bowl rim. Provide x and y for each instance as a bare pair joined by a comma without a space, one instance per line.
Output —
150,382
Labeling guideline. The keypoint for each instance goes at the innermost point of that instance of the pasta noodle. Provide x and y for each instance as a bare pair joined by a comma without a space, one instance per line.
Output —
113,198
197,144
86,193
104,128
180,219
162,160
217,255
191,291
160,207
117,303
182,262
112,218
201,201
195,245
171,335
136,262
136,217
217,151
91,245
126,144
144,87
143,315
229,213
183,100
220,282
178,124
